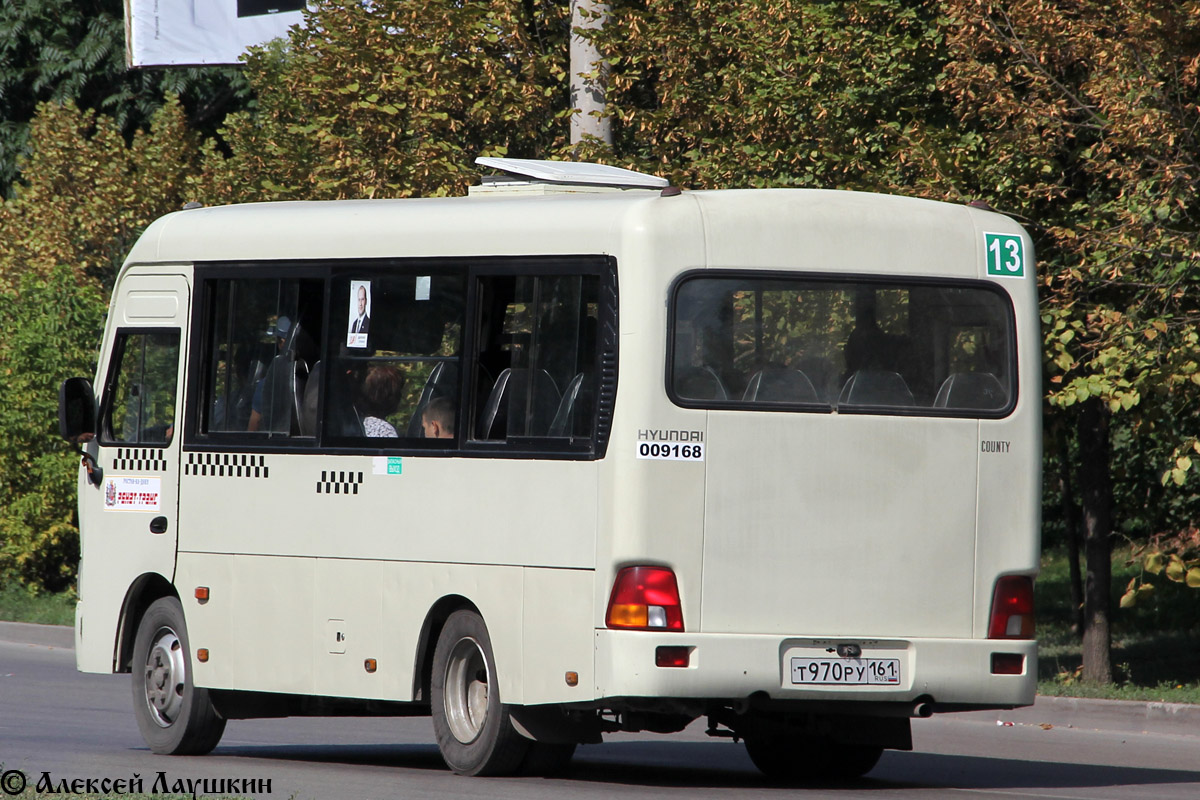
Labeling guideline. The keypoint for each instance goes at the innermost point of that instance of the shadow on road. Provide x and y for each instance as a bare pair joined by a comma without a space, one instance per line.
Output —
725,765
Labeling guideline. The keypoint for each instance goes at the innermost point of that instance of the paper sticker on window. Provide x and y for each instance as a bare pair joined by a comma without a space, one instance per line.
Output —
360,314
125,493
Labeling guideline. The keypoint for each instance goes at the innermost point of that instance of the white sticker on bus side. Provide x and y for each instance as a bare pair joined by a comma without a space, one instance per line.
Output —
671,451
127,493
386,465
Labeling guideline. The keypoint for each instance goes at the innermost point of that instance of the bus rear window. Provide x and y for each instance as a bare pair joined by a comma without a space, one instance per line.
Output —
820,344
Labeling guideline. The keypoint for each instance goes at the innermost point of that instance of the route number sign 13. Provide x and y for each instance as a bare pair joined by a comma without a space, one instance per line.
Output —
1005,255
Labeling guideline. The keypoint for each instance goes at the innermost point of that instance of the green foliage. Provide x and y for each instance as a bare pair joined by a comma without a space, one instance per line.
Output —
1154,643
73,50
18,604
87,197
731,94
395,98
51,327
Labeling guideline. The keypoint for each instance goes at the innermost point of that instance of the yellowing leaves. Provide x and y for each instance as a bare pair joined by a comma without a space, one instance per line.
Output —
1175,570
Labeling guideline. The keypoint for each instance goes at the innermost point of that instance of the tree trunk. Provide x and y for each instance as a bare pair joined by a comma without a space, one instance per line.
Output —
1072,522
1095,489
589,74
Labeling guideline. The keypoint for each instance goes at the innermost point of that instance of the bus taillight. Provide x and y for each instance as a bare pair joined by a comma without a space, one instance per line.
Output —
645,598
1012,608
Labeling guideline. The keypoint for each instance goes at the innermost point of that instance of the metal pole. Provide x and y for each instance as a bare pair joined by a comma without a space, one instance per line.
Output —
587,90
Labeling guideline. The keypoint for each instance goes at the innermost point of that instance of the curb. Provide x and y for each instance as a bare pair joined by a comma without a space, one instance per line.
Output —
29,633
1118,716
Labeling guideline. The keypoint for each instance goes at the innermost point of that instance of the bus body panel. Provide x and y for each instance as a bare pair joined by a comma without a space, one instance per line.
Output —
802,539
844,232
641,516
351,507
308,625
951,672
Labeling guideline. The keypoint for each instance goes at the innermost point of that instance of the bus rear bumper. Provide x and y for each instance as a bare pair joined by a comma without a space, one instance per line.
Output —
938,674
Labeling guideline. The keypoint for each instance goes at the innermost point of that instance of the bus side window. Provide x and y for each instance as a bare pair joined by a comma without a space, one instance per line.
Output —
395,345
139,407
262,345
535,362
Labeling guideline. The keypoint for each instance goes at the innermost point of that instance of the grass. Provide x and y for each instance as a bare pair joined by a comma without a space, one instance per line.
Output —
18,605
1155,644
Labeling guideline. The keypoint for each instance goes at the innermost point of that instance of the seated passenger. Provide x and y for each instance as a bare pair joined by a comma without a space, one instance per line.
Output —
382,390
438,419
262,400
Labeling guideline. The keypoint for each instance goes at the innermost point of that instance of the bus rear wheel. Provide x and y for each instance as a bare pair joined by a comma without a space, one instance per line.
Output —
174,716
791,759
473,728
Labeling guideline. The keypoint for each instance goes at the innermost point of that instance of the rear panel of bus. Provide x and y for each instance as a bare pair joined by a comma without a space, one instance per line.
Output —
835,448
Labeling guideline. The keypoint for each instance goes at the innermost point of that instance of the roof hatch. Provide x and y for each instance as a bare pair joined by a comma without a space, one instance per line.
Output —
529,176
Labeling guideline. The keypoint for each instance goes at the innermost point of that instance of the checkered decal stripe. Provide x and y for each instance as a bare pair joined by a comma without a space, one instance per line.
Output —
338,482
226,465
133,459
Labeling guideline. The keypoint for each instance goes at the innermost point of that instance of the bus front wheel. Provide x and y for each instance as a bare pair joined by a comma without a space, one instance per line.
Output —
174,716
472,725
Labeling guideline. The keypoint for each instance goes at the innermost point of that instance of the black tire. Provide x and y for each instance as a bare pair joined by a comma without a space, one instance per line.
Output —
174,717
472,725
792,759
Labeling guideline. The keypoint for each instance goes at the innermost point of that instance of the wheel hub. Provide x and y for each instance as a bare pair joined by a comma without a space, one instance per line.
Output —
165,672
466,690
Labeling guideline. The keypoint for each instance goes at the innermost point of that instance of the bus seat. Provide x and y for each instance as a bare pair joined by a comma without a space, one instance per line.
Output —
976,390
283,381
780,386
300,383
824,375
575,403
308,405
699,383
523,402
872,387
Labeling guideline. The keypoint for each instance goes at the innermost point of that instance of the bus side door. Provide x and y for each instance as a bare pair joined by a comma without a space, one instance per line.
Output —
128,522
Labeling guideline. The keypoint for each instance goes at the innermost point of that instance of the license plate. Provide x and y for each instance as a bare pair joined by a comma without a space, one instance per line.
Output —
846,671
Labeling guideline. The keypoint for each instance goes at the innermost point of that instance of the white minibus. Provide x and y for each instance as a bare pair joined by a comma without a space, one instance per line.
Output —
578,453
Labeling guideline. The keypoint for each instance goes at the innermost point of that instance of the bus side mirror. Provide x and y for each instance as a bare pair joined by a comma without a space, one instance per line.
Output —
77,420
76,410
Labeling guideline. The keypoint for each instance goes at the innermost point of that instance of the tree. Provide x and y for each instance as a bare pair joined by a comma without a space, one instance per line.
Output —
87,195
729,94
59,50
1090,116
394,98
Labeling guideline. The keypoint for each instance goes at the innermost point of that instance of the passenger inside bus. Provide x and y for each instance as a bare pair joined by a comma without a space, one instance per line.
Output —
382,391
437,420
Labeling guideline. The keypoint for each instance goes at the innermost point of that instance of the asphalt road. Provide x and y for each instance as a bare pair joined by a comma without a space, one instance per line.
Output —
73,727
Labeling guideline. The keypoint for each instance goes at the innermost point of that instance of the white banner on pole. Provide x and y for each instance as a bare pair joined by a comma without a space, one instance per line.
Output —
177,32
